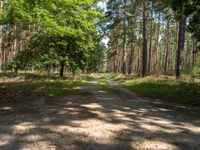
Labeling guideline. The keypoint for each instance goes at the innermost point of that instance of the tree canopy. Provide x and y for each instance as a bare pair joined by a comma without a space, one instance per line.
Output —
64,28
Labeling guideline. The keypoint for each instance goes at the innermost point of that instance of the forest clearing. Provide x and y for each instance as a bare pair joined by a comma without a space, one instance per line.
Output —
100,75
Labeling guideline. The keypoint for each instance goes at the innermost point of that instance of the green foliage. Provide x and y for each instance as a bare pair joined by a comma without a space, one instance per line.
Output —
55,31
191,8
96,60
47,61
22,61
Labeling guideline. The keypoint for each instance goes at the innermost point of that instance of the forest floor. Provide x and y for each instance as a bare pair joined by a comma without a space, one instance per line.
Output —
97,116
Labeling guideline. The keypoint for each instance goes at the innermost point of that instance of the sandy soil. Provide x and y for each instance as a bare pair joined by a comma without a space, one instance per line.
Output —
89,118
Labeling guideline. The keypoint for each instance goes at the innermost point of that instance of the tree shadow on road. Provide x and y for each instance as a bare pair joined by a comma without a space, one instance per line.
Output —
88,118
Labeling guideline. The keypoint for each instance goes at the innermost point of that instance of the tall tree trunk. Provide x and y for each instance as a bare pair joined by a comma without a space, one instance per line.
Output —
175,47
4,60
167,48
157,44
115,63
116,59
133,27
1,39
194,52
150,39
181,43
1,54
138,60
130,65
124,41
144,52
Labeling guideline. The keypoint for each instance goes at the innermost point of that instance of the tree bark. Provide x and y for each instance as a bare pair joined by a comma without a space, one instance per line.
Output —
116,62
144,52
116,59
193,52
167,49
130,65
181,43
1,54
156,61
124,42
150,40
1,39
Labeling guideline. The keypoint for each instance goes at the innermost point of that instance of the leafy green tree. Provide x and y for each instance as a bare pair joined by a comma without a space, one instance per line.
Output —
66,27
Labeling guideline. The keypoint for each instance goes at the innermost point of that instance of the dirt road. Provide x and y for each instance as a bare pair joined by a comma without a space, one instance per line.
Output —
90,118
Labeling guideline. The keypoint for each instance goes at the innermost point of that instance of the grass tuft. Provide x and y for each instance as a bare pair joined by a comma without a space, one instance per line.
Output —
103,84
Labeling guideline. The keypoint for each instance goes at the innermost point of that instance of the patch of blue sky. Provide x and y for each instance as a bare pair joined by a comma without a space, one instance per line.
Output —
102,5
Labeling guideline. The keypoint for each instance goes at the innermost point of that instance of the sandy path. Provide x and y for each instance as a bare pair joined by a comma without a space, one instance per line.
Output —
89,118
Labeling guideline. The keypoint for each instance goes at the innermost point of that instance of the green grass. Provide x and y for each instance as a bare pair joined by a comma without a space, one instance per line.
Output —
43,84
184,91
121,77
44,77
27,88
49,87
103,84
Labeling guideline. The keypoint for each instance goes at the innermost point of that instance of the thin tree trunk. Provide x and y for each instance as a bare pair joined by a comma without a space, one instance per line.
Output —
175,47
62,66
130,66
144,52
193,52
138,61
116,60
133,27
150,40
1,39
124,42
167,50
156,44
62,63
4,60
1,55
